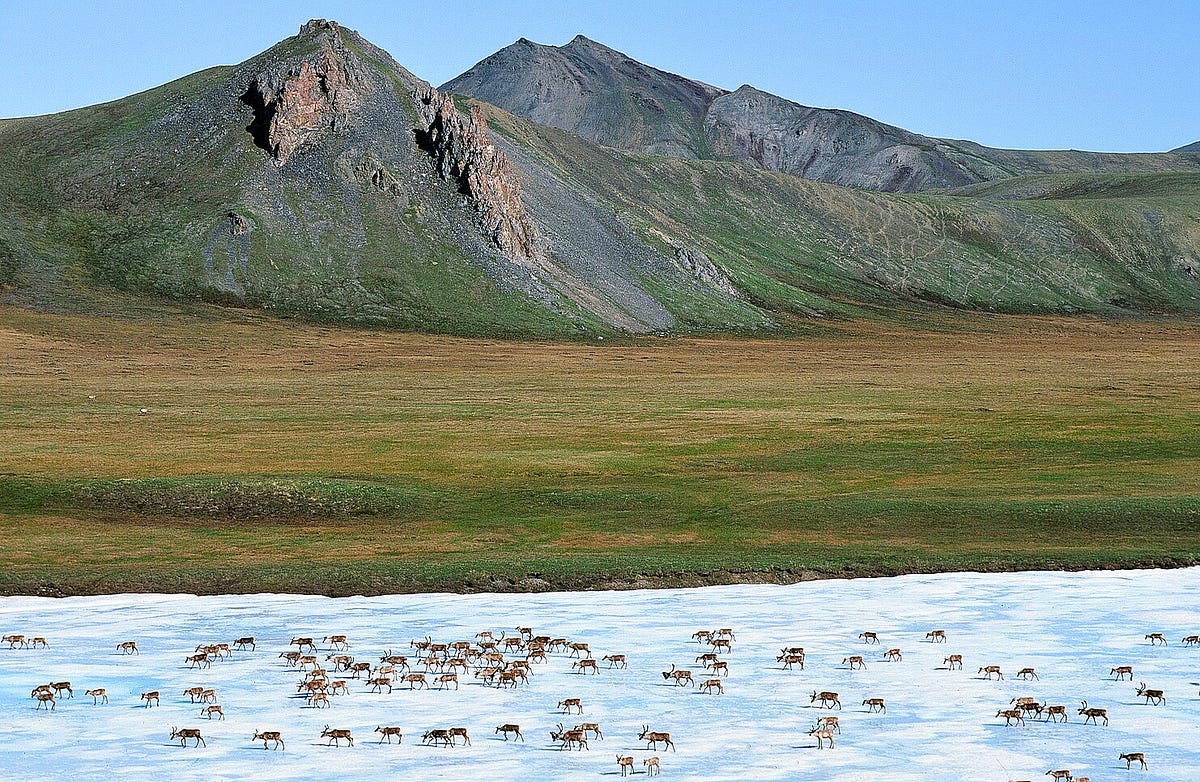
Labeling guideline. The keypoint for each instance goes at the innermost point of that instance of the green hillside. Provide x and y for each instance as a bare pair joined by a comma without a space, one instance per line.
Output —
178,194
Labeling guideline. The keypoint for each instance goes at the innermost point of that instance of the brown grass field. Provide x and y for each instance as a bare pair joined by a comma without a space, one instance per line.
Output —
276,455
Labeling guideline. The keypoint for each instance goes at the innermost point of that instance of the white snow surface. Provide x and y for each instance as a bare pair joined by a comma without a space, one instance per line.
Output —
940,724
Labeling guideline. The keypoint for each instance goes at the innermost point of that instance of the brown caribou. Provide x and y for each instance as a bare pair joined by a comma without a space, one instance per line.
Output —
388,732
1091,713
828,699
1153,697
508,728
653,737
680,676
269,735
183,734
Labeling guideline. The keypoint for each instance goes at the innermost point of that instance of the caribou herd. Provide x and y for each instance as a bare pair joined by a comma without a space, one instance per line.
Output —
329,669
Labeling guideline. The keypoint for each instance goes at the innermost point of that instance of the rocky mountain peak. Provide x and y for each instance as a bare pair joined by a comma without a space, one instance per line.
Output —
318,27
295,102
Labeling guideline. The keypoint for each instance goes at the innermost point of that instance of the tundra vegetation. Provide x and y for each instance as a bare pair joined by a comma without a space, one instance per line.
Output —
200,449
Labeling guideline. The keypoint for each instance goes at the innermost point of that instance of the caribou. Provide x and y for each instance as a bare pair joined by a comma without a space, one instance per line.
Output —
937,636
988,670
1153,697
651,766
1156,638
822,735
1011,716
571,703
338,642
508,728
437,735
614,660
855,661
875,704
708,685
953,660
128,647
1129,757
336,735
679,675
151,698
590,727
269,735
1121,671
828,699
241,644
653,737
208,711
301,643
1054,712
1028,673
388,732
626,764
1092,714
869,637
587,664
830,722
99,695
569,737
893,655
183,734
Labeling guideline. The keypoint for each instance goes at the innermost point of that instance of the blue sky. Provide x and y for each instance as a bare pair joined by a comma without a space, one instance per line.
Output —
1118,76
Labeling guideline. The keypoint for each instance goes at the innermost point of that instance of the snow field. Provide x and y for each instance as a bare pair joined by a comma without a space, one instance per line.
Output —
1071,627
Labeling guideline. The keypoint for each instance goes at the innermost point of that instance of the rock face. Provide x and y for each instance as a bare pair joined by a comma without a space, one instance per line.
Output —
304,100
464,152
604,95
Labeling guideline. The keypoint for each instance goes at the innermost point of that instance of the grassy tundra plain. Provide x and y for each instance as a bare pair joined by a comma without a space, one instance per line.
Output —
276,456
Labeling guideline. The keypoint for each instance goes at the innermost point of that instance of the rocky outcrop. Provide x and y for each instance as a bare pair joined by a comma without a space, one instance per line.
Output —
296,103
464,153
700,266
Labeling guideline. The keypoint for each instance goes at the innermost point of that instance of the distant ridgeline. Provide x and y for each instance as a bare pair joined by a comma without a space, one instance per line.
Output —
565,192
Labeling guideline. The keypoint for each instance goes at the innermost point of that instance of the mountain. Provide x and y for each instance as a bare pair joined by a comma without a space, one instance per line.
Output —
323,180
1193,148
604,95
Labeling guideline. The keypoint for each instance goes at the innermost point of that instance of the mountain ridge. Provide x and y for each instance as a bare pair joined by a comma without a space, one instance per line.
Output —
321,179
605,95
